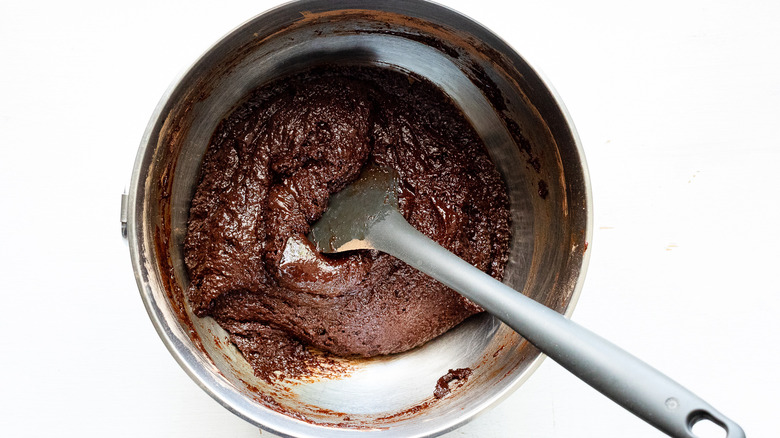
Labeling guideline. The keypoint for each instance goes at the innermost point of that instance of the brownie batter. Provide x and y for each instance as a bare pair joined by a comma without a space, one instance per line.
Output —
268,173
443,384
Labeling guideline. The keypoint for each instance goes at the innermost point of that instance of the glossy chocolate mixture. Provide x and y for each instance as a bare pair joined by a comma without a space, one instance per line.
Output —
267,175
443,384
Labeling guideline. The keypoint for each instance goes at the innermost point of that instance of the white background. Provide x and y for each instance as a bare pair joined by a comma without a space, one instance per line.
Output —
678,107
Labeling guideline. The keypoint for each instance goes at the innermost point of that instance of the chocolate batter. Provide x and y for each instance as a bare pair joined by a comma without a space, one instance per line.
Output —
443,384
268,173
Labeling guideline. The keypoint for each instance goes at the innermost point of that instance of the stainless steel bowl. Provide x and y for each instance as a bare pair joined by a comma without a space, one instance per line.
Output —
529,136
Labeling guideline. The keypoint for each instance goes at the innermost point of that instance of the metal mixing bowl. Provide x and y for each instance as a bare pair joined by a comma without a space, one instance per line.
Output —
529,136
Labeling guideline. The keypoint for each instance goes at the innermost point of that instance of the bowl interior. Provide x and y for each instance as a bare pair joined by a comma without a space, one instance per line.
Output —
528,137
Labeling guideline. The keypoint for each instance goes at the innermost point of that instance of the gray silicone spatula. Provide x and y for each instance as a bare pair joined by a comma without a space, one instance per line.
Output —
365,216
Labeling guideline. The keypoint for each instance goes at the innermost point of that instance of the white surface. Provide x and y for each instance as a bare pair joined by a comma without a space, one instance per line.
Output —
678,107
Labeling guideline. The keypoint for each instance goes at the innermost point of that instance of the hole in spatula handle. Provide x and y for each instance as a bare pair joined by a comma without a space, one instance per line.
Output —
704,425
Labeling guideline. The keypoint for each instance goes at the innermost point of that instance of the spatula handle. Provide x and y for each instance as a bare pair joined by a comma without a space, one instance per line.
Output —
617,374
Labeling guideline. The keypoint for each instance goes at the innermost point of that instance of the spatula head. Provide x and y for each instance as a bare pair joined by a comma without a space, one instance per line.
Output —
350,213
